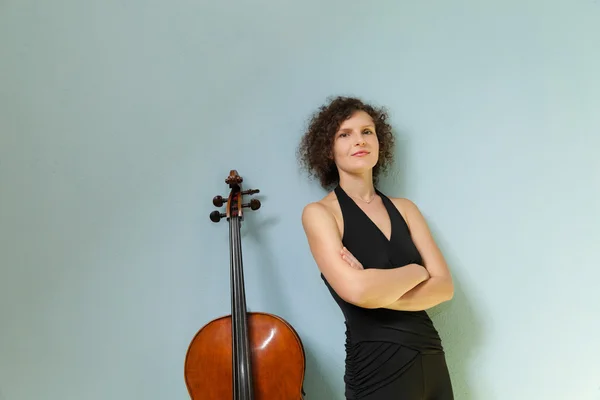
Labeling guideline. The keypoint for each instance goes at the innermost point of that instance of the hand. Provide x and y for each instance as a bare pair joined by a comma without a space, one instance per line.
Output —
350,259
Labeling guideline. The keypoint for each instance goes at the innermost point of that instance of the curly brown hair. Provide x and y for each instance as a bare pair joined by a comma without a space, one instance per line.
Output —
317,142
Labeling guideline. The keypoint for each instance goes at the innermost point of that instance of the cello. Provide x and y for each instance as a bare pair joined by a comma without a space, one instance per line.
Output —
244,355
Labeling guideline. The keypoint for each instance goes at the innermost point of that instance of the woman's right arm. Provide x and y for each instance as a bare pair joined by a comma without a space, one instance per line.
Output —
368,288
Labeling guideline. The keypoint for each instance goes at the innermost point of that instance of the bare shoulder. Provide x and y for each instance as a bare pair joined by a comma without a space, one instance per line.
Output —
313,212
325,210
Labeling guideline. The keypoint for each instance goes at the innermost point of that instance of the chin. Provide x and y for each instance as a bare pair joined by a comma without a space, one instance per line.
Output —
360,169
358,165
364,163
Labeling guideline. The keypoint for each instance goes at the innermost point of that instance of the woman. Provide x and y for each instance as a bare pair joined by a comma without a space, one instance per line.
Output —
377,257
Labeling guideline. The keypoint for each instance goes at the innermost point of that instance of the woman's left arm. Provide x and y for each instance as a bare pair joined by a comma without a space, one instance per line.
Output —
439,287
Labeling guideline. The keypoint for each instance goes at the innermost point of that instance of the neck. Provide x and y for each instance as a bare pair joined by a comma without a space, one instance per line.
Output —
358,186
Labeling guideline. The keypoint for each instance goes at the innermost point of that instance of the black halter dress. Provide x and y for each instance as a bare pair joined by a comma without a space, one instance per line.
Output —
382,345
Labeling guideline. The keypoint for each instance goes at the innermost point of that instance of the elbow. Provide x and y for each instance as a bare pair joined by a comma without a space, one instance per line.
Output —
444,289
351,288
355,294
364,302
352,292
360,296
449,292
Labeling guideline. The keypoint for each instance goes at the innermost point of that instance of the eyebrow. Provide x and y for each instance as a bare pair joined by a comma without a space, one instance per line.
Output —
362,127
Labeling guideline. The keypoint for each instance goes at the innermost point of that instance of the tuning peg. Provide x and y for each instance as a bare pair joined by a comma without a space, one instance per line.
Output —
254,204
216,216
250,191
218,201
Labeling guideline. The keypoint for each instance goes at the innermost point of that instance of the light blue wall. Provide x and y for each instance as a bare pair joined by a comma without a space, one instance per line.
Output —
119,121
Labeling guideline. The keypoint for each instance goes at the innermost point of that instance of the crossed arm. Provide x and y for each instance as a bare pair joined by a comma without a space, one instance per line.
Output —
438,287
411,288
432,291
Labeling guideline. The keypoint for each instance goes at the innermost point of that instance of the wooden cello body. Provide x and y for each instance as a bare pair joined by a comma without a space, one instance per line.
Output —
244,355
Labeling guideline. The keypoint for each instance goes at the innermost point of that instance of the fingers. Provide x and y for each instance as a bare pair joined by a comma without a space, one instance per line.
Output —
346,256
346,252
350,259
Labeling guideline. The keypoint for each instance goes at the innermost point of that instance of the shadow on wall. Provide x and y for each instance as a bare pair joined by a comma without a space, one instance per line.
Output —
317,385
270,273
460,328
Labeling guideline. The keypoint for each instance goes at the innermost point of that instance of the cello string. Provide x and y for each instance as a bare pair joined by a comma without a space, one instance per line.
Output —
244,353
248,358
234,331
239,363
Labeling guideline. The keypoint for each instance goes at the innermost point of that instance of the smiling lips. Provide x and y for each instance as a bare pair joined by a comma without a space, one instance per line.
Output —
360,153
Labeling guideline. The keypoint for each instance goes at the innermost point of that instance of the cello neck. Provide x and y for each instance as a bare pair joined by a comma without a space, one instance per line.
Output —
241,352
242,368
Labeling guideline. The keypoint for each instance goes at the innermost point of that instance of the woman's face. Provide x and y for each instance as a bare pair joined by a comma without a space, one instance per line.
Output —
355,145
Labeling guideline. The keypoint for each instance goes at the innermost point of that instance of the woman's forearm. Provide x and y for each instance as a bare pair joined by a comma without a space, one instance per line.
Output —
430,293
379,287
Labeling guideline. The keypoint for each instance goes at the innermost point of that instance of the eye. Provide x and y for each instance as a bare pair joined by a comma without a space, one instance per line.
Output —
368,131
